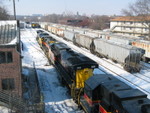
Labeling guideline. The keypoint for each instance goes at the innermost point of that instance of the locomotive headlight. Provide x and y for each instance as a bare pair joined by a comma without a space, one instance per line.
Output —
92,66
78,67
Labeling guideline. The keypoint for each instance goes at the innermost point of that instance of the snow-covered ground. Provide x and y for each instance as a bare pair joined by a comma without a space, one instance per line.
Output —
4,109
56,97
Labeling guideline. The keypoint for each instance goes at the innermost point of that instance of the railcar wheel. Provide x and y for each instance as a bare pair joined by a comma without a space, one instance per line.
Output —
127,68
92,48
62,81
145,59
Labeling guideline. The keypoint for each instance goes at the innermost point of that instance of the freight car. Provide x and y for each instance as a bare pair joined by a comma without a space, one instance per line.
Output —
74,67
126,55
83,40
104,93
144,45
69,35
120,38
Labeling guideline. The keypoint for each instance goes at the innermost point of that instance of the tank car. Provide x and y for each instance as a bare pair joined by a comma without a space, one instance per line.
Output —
74,67
126,55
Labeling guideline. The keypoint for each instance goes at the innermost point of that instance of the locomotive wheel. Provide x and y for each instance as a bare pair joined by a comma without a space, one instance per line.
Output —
92,48
145,59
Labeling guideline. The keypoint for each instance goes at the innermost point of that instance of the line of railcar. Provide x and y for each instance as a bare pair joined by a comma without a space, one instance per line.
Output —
100,93
124,39
114,47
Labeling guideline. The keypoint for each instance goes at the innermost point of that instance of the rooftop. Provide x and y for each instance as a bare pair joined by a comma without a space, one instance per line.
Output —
132,18
8,32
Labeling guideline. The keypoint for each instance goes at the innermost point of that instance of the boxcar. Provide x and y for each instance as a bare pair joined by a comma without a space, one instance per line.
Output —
144,45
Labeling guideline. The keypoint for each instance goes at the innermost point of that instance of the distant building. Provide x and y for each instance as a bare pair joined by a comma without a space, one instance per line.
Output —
10,58
37,15
135,26
75,22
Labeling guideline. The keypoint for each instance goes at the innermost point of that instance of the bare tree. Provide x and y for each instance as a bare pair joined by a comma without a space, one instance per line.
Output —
3,12
141,10
100,22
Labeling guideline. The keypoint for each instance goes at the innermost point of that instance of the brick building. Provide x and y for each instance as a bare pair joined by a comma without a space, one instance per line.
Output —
10,58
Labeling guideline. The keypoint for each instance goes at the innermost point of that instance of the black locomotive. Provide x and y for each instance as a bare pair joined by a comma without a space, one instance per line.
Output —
75,68
104,93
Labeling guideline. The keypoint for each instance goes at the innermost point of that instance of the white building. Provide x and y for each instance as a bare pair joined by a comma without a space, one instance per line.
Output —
135,26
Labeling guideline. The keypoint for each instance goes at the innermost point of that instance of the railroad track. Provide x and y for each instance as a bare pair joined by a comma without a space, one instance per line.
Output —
51,86
35,46
145,66
139,75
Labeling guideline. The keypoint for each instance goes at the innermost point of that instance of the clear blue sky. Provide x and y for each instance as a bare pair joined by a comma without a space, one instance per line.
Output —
88,7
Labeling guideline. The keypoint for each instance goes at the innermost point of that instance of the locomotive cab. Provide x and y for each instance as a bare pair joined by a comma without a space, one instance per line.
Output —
78,66
92,94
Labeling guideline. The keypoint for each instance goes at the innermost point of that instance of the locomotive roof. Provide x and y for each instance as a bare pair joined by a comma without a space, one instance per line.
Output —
126,94
97,79
77,59
60,46
115,85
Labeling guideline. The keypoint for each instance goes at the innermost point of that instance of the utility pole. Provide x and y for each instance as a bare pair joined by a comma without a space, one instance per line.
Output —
14,9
